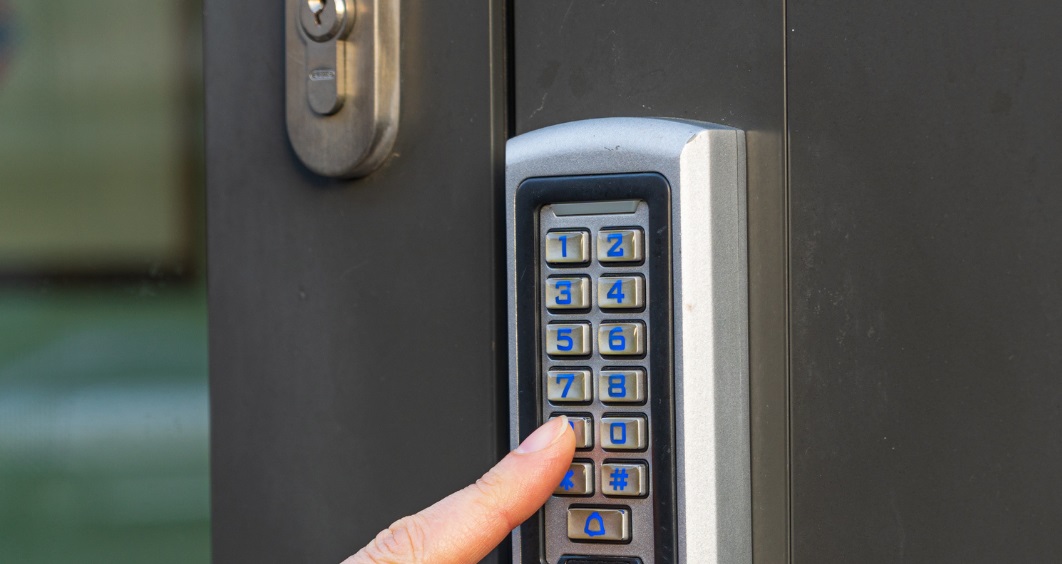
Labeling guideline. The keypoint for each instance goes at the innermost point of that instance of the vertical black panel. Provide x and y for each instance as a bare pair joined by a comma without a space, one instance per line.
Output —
712,61
927,287
355,372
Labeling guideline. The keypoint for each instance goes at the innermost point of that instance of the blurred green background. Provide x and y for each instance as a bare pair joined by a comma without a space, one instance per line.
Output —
104,431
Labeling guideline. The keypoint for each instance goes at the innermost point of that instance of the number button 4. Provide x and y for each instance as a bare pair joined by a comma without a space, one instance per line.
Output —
621,292
569,386
568,293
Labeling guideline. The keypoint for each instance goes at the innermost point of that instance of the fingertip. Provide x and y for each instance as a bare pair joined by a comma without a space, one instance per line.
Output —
548,434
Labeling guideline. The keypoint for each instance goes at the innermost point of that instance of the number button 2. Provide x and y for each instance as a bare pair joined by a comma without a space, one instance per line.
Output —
620,245
568,293
621,292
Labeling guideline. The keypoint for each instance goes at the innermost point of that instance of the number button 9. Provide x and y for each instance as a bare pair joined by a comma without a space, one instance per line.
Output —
568,293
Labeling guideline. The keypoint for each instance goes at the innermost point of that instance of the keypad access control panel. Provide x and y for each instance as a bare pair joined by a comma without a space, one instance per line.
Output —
601,361
627,290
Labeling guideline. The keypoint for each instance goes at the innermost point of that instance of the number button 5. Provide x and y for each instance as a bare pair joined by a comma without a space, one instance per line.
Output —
568,339
621,292
568,293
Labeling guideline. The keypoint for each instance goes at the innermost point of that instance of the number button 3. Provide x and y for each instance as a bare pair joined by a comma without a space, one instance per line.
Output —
568,293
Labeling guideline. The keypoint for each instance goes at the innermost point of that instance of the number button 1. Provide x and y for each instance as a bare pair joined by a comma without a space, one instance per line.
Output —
568,293
572,385
621,292
567,247
620,245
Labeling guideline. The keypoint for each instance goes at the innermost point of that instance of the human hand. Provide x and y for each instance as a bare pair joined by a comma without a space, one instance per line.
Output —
464,527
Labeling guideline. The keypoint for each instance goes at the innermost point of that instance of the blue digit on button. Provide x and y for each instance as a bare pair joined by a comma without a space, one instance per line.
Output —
616,340
612,432
616,291
565,335
568,386
565,287
616,239
564,245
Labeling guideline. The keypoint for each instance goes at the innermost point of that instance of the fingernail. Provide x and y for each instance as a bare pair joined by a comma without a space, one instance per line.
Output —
544,435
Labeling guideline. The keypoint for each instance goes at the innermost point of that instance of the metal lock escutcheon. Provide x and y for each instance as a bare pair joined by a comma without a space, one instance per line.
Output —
342,83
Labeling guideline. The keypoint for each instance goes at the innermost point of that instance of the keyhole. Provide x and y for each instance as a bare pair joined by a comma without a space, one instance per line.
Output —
317,6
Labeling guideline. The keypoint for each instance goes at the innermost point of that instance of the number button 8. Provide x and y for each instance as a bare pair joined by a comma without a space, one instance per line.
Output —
622,385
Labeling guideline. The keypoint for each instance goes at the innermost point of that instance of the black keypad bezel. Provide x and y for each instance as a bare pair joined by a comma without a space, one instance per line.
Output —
655,191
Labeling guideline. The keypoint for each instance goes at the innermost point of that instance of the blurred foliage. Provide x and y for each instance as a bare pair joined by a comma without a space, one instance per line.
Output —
104,436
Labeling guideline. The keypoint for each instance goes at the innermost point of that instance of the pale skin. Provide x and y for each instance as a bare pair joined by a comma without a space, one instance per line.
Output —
464,527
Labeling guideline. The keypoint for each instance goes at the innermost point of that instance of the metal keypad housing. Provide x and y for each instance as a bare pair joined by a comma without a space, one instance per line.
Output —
691,408
556,512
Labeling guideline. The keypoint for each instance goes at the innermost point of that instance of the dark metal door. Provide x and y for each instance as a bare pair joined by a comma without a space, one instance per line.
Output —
905,304
355,371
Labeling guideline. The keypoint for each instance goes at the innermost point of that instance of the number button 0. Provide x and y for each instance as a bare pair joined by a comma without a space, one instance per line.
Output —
623,433
572,385
568,293
621,292
622,386
620,245
568,339
621,338
567,247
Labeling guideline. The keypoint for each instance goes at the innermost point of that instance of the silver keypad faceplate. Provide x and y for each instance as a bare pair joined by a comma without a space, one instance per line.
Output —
555,512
